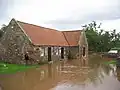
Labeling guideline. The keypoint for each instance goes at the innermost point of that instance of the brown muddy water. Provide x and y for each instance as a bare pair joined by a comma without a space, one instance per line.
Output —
67,75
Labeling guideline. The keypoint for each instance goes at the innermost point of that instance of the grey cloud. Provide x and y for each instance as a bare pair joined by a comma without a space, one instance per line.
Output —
72,22
93,17
109,13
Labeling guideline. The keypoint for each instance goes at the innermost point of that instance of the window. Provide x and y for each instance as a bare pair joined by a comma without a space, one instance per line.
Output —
59,50
83,51
46,51
52,50
55,50
41,51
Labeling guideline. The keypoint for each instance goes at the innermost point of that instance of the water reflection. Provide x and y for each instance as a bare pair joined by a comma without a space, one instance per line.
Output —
68,75
118,73
50,70
1,87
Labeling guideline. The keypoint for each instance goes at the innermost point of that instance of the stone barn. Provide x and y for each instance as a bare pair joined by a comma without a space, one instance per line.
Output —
40,43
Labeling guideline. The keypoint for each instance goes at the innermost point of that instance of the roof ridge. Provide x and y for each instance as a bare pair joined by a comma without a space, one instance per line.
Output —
72,31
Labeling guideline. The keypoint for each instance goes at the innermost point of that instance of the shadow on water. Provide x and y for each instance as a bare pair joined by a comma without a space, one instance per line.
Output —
65,75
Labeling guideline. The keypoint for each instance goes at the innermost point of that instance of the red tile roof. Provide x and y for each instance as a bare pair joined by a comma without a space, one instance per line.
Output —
72,37
50,37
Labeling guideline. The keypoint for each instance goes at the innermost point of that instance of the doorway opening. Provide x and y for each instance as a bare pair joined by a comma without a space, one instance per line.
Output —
62,53
49,54
83,51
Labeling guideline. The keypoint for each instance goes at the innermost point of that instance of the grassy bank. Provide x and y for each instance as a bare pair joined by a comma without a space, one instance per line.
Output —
13,68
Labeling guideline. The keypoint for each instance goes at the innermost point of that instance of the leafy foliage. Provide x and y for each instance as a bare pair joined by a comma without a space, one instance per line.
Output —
100,40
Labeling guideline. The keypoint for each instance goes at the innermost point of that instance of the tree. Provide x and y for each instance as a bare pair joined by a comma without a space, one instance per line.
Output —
100,40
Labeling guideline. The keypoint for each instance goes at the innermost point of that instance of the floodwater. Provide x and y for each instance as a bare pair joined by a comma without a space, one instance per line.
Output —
65,75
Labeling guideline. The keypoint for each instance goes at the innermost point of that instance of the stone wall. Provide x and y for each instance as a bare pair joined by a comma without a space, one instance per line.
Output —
14,44
83,43
14,41
73,52
77,51
55,53
83,40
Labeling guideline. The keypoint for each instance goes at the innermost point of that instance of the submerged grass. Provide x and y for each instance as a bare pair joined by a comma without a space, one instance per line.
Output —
13,68
111,62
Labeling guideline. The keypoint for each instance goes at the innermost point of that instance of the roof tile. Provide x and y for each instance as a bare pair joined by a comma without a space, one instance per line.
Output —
72,37
50,37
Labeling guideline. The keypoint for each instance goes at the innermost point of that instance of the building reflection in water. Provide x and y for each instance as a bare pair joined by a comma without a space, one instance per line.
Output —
118,73
50,70
1,87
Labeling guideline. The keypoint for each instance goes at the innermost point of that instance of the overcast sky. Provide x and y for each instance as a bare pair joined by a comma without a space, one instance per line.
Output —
62,14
